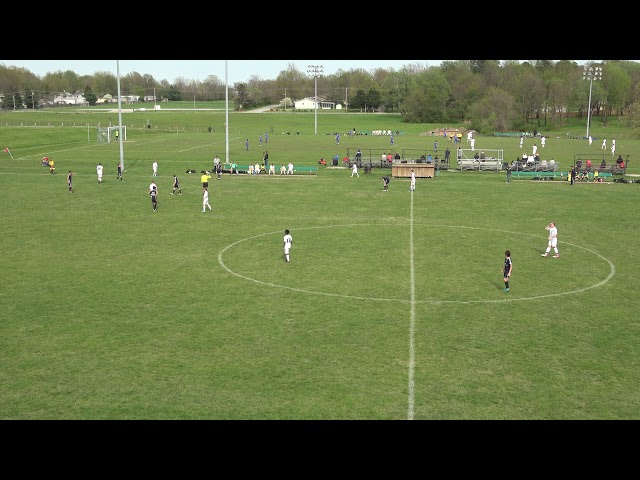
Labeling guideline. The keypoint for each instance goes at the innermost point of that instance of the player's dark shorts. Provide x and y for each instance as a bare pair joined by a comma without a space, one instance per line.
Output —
506,273
176,185
205,184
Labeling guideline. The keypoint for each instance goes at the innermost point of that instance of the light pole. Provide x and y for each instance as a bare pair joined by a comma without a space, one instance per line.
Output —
315,70
591,74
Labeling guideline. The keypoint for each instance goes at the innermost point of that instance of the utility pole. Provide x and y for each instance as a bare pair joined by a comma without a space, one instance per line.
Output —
285,99
591,74
315,70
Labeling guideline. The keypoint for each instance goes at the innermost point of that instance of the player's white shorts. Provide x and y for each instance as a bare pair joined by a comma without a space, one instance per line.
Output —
553,242
286,250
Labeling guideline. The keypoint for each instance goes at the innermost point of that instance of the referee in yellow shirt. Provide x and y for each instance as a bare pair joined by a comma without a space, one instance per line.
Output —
204,178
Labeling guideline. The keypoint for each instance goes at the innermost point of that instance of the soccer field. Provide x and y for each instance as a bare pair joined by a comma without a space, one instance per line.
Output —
391,307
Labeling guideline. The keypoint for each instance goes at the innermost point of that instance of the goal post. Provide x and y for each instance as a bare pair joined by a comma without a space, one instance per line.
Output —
108,134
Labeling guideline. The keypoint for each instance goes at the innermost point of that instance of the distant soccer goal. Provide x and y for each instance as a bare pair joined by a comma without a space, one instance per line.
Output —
108,134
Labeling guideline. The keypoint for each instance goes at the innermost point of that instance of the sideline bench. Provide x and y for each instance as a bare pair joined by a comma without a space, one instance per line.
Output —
481,164
244,169
528,175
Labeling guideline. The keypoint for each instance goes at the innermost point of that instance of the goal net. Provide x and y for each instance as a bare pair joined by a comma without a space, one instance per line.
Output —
108,134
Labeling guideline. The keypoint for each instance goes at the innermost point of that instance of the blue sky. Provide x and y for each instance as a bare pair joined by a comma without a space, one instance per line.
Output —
237,70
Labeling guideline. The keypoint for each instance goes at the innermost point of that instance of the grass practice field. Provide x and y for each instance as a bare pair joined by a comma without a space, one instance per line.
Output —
391,308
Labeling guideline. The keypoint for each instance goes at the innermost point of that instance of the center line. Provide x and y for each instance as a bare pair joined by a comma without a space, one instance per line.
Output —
413,313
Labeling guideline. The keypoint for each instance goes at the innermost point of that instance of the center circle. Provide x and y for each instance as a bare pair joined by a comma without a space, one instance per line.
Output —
385,273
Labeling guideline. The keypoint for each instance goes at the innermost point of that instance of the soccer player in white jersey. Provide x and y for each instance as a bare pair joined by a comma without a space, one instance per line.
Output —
354,170
99,172
413,180
205,200
552,240
288,240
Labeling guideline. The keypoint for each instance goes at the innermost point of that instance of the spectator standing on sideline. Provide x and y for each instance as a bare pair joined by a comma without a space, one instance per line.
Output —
393,142
508,268
216,162
265,159
260,139
288,241
447,155
412,187
552,240
543,141
219,171
155,168
358,158
176,186
154,197
99,170
604,144
435,145
573,174
119,171
338,138
204,178
205,200
266,137
354,170
70,181
509,173
246,144
521,140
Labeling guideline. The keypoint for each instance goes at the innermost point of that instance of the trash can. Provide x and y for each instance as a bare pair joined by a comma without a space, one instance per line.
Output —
367,168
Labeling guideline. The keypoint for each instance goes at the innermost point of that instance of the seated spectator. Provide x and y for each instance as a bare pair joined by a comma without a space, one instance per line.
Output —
272,168
283,170
536,157
389,157
322,161
619,160
525,158
603,164
588,163
346,160
397,156
482,156
531,160
429,159
384,157
336,158
596,178
621,164
476,157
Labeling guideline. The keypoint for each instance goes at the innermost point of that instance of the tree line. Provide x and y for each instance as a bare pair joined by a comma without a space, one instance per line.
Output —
489,95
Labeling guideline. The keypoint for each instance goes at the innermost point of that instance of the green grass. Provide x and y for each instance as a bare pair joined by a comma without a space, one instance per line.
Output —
392,306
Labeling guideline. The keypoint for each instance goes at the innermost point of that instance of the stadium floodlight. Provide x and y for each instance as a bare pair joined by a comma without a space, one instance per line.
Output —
315,70
591,74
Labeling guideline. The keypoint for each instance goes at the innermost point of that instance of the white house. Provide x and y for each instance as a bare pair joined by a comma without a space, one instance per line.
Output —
309,103
67,98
